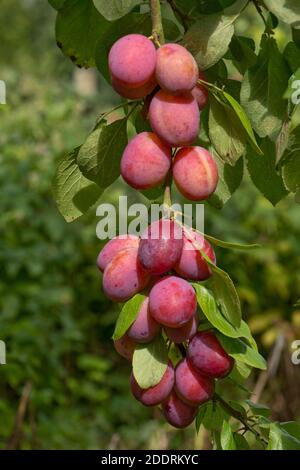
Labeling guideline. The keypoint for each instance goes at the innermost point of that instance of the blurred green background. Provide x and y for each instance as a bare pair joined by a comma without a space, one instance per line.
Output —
64,387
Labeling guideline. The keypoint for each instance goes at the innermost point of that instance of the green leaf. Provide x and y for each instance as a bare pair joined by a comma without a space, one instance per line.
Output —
240,372
74,194
291,166
227,440
128,315
262,169
214,416
150,362
209,37
259,409
263,88
292,56
78,27
292,427
200,416
100,155
240,441
209,307
286,10
131,23
231,245
242,53
57,4
226,132
241,351
243,120
226,295
296,35
279,439
114,9
230,178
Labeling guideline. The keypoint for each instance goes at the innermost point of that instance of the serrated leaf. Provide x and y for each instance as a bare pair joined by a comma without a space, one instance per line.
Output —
241,351
230,178
128,315
263,172
78,27
209,37
74,194
263,88
150,362
226,132
100,155
115,9
227,440
286,10
200,416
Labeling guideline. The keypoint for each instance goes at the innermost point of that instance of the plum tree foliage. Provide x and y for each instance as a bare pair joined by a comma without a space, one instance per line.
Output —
203,100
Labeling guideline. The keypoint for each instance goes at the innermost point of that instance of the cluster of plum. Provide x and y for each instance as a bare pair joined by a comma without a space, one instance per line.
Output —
160,264
168,80
167,256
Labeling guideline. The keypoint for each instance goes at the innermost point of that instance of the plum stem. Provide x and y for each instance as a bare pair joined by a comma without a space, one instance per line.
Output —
157,27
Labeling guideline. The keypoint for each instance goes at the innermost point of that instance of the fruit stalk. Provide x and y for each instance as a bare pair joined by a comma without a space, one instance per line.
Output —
157,27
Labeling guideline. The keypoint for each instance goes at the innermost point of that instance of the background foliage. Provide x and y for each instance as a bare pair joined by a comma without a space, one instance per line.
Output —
54,319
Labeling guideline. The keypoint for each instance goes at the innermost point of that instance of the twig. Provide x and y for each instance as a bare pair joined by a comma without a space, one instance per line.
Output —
15,438
238,416
273,363
259,11
157,27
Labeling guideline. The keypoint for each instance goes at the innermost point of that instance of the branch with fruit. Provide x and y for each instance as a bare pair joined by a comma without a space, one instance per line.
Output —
180,322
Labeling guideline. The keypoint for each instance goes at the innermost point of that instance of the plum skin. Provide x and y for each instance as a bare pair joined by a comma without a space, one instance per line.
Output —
191,386
175,119
160,246
113,247
124,277
132,62
191,264
184,333
176,69
206,355
146,161
154,395
195,173
178,413
125,347
144,328
172,301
